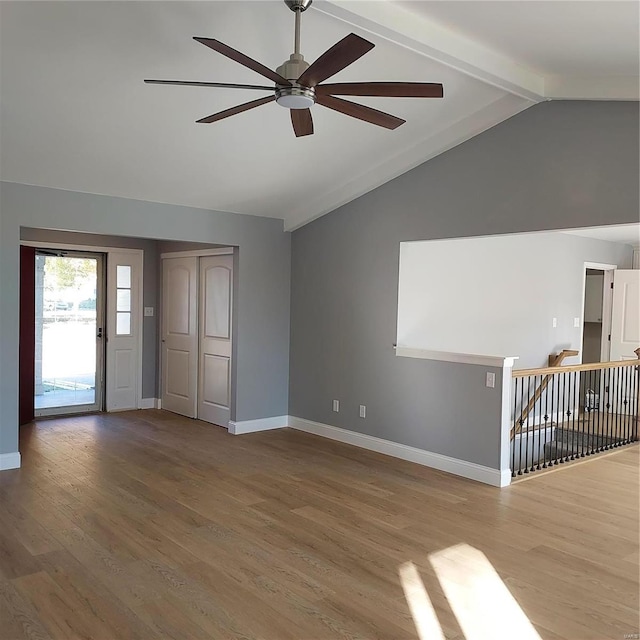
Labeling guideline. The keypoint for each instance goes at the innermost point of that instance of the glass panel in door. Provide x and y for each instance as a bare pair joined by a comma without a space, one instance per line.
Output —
68,357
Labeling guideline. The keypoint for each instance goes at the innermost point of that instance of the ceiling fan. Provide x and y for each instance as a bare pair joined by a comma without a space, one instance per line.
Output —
298,85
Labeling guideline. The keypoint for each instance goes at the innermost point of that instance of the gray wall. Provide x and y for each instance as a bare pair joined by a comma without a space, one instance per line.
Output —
556,165
262,291
149,286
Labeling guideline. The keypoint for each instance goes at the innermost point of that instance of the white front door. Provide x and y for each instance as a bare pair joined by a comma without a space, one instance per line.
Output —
625,339
124,282
179,335
216,301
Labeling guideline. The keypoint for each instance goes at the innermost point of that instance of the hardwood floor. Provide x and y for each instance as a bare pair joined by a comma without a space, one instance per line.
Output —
147,525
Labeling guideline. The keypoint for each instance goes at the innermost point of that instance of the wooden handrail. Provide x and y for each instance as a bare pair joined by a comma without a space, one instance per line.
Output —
591,366
554,363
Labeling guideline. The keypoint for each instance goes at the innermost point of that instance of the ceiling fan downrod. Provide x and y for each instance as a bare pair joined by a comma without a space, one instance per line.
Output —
295,96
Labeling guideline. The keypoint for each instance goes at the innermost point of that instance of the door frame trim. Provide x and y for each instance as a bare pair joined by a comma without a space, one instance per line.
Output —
201,253
139,320
607,306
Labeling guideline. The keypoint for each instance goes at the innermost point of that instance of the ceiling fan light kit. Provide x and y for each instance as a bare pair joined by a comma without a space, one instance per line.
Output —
298,84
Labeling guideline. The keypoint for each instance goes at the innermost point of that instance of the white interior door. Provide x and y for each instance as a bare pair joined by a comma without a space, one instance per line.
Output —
216,300
625,337
625,317
124,289
179,335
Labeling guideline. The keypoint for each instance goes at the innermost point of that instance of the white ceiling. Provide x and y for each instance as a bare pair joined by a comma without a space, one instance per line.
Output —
75,114
552,37
623,234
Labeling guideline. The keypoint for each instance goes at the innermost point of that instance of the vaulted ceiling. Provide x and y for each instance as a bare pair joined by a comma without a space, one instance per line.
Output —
75,114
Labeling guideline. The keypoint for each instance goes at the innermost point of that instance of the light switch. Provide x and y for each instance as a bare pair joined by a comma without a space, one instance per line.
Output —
554,322
363,411
336,405
576,323
491,379
148,311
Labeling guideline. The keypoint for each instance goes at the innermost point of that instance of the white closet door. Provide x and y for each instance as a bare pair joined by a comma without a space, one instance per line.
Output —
124,281
216,300
179,335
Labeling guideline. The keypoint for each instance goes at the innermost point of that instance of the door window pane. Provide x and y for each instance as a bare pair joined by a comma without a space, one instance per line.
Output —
123,302
123,323
123,276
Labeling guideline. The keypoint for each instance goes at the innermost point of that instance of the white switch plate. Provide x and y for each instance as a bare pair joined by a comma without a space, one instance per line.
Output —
576,323
148,311
491,379
336,405
363,411
554,322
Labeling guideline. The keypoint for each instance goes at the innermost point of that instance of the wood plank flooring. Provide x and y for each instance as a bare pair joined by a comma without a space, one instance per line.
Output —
148,525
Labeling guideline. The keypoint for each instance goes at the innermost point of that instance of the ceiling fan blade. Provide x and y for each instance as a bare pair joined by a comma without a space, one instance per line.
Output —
302,122
239,109
341,55
211,84
360,112
246,61
383,89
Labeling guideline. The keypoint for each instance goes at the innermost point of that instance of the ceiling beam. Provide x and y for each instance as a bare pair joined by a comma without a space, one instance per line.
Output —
415,32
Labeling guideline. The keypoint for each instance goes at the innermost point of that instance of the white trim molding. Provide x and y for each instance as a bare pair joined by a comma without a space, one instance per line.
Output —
487,475
10,461
464,358
261,424
149,403
224,251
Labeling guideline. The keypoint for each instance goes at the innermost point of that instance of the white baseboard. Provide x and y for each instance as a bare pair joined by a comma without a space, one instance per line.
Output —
150,403
455,466
262,424
9,461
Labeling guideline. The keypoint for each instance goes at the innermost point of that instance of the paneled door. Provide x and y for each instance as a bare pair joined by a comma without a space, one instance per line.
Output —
625,338
124,282
180,335
216,302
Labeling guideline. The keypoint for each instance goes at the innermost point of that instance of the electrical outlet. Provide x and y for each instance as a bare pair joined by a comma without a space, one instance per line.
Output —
148,312
490,380
576,323
336,405
363,411
554,322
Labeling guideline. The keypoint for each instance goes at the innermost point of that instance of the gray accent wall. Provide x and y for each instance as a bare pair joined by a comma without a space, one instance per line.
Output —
263,292
556,165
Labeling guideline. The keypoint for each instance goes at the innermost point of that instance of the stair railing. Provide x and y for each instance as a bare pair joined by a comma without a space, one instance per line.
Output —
555,360
572,411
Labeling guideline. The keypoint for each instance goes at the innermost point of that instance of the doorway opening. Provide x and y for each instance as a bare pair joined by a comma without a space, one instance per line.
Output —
69,329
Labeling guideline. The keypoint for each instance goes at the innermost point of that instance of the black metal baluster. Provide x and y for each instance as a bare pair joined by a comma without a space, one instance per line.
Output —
622,428
546,425
598,418
563,385
515,422
521,421
555,402
616,406
588,401
526,442
607,416
636,403
573,405
533,432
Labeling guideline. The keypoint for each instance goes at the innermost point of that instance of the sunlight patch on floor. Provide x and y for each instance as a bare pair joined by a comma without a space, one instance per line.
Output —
479,599
424,615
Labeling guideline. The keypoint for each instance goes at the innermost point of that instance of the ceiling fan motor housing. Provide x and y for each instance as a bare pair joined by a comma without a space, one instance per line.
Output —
298,5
